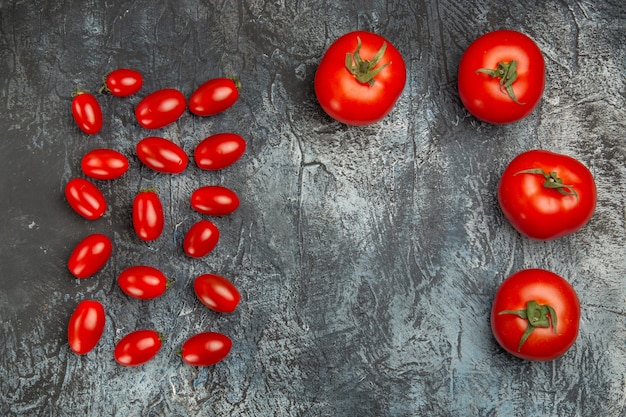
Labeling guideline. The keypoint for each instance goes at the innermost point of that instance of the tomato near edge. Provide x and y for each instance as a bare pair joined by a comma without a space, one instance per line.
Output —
85,198
90,255
138,347
87,112
206,349
214,96
148,218
160,108
86,326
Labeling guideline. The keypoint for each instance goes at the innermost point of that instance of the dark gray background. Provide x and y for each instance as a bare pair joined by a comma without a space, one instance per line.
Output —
367,257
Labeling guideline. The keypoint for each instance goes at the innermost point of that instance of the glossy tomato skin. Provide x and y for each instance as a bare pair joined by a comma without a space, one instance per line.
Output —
90,255
162,155
482,95
138,347
104,164
148,217
214,200
206,349
348,100
87,112
546,288
86,326
219,151
214,96
217,293
160,108
85,198
143,282
123,82
200,239
543,213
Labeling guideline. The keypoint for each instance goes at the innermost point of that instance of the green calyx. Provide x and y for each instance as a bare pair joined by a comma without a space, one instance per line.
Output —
552,180
507,73
538,315
363,70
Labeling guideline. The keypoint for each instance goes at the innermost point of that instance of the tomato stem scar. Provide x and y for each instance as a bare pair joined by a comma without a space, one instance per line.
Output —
507,73
552,181
537,315
364,70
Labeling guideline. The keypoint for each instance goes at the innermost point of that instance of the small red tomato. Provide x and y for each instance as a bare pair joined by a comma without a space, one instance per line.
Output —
217,293
104,164
148,218
86,326
162,155
90,255
85,198
138,347
160,108
214,200
201,239
143,282
87,112
219,151
214,96
206,349
122,82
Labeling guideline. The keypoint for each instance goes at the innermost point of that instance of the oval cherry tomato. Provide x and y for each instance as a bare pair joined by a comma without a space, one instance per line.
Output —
138,347
501,76
206,349
217,293
104,164
360,78
160,108
148,218
122,82
162,155
214,96
201,239
85,198
87,112
90,255
219,151
546,195
86,326
535,315
143,282
214,200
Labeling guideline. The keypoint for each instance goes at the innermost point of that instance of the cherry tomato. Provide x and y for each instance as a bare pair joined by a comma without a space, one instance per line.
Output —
217,293
535,315
201,239
162,155
85,198
501,76
546,195
148,218
206,349
143,282
104,164
214,96
138,347
87,112
90,255
219,151
86,326
122,82
160,108
360,78
214,200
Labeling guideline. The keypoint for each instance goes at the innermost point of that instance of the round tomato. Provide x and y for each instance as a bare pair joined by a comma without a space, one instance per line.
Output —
138,347
160,108
546,195
501,76
143,282
162,155
214,200
535,315
87,112
85,198
104,164
206,349
214,96
148,218
217,293
122,82
90,255
201,239
360,78
219,151
86,326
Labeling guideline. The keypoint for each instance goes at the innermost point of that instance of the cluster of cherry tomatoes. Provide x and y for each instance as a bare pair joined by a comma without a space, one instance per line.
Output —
218,151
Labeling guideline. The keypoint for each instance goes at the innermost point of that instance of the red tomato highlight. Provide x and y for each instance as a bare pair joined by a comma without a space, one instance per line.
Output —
86,326
90,255
123,82
214,200
148,217
85,198
87,112
104,164
143,282
214,96
160,108
219,151
138,347
162,155
217,293
206,349
201,238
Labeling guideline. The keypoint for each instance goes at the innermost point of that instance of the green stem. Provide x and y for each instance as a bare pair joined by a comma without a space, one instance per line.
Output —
537,315
507,73
363,70
552,180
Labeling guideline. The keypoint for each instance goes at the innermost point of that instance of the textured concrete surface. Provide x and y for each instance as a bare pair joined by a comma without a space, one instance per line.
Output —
367,257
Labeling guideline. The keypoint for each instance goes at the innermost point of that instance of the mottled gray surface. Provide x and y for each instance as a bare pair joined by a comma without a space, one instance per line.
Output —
367,257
